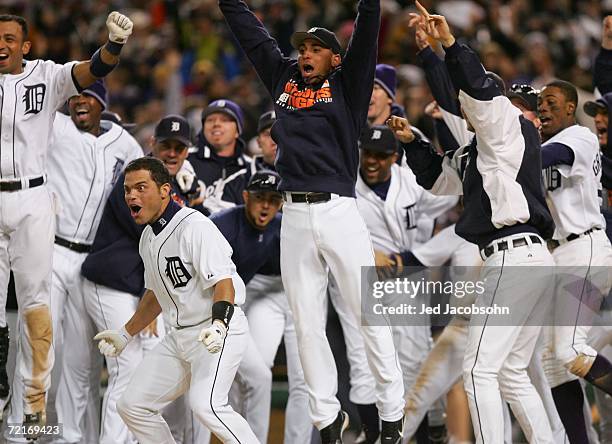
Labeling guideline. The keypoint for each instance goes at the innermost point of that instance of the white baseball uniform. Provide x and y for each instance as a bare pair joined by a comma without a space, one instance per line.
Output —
183,261
392,224
574,196
29,103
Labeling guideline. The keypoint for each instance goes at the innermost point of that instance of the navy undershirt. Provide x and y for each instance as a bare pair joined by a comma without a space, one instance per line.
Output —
381,189
166,217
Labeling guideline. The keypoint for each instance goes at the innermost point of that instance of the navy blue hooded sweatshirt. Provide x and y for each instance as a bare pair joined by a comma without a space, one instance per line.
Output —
317,126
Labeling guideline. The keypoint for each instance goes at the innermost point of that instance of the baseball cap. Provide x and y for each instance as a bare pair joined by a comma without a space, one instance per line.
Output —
173,127
498,81
379,139
97,90
526,94
227,107
592,107
386,78
264,180
116,118
266,120
322,35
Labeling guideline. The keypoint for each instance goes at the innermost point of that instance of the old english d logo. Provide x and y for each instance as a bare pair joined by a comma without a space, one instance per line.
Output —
176,272
34,97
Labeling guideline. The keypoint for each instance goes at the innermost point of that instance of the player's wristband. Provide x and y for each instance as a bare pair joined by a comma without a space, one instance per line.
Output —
98,67
124,332
222,311
113,47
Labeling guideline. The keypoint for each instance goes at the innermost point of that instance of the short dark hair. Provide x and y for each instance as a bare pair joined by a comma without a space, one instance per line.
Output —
19,19
157,169
567,89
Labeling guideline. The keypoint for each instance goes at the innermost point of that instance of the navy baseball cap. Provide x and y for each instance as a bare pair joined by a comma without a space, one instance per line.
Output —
266,120
264,180
386,79
592,107
527,94
116,118
324,36
97,90
378,139
173,127
226,107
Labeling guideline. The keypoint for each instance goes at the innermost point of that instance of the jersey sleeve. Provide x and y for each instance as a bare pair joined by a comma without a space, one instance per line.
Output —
584,146
210,252
62,84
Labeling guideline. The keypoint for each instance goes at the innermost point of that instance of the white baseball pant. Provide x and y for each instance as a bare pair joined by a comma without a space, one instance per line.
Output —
66,283
27,229
497,356
566,353
181,363
332,236
270,320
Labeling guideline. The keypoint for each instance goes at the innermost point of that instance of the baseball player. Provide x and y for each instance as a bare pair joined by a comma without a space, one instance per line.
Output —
218,157
390,202
265,160
572,165
190,279
321,103
507,235
253,232
34,90
109,294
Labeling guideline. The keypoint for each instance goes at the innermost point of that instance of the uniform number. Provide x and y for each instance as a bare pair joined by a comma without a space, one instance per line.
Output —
597,165
552,179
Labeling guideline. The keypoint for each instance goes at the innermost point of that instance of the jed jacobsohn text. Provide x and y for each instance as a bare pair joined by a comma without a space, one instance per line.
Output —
413,288
406,309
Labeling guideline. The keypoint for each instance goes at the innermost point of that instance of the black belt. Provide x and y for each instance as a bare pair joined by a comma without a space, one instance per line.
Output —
571,237
15,185
503,245
74,246
310,198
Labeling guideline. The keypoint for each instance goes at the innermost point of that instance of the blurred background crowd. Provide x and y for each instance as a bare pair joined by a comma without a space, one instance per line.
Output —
182,55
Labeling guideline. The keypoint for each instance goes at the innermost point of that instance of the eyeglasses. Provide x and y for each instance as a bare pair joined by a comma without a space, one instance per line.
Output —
524,89
268,182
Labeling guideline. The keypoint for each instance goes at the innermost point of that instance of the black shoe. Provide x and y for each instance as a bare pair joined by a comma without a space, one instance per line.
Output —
438,435
392,432
332,434
34,425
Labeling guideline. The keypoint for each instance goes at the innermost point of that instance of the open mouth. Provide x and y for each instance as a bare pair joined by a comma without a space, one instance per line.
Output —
4,57
545,120
135,210
308,69
81,113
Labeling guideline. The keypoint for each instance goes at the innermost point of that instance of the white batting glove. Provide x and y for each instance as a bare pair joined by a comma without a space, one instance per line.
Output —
119,27
185,180
112,342
213,336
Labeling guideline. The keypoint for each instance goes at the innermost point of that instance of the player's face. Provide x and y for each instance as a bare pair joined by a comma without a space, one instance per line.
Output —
261,207
315,61
267,145
12,48
173,153
376,167
554,111
380,105
601,125
221,131
144,197
85,112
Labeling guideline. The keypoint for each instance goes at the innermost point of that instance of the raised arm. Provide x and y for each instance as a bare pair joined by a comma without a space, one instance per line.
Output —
359,62
106,58
602,72
261,49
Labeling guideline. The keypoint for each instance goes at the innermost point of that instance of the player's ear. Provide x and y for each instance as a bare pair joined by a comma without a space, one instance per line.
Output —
25,47
336,60
394,157
165,190
245,196
571,108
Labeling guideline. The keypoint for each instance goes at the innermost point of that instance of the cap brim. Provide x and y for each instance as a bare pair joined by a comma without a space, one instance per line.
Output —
523,100
376,149
184,141
298,38
591,108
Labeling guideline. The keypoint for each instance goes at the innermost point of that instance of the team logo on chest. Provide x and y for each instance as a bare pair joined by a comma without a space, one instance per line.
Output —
410,219
176,272
33,98
294,98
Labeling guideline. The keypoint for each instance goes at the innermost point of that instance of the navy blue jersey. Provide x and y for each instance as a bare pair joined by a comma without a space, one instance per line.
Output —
317,126
255,251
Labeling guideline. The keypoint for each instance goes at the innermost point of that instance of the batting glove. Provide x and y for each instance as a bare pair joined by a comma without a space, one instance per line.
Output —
213,336
119,27
112,342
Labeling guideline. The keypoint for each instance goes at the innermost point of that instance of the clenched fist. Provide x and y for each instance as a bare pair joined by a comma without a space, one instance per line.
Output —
213,336
112,342
401,129
119,27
